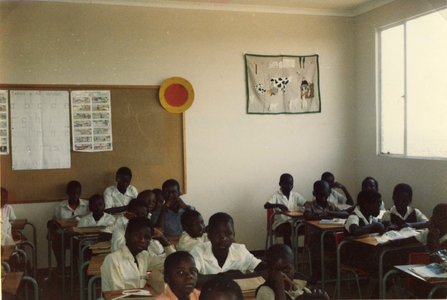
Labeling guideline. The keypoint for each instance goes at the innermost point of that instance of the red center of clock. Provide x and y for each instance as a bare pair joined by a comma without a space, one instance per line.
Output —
176,95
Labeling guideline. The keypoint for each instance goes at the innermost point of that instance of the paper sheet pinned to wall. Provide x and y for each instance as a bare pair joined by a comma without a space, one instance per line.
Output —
40,130
4,128
91,121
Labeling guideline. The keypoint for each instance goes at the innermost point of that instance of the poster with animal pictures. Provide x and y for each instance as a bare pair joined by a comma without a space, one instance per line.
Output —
282,84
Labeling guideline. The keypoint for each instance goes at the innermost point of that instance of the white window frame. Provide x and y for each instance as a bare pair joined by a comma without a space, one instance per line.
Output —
379,89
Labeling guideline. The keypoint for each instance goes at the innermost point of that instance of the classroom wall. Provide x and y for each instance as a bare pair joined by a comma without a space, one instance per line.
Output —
234,160
427,177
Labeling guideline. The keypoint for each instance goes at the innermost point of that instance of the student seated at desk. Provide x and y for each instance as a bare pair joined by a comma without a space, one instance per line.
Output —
401,214
221,288
194,233
280,284
285,199
127,267
117,197
369,183
149,197
97,217
318,209
159,198
7,210
180,274
220,256
7,239
136,208
72,208
335,197
168,217
363,221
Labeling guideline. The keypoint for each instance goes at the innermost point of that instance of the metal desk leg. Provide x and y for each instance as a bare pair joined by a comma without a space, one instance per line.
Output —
81,279
71,265
34,283
6,266
322,259
50,244
271,230
34,237
25,258
433,290
63,258
33,248
339,266
296,230
391,272
90,286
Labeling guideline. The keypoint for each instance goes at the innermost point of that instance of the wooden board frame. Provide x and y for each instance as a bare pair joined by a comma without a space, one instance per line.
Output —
12,199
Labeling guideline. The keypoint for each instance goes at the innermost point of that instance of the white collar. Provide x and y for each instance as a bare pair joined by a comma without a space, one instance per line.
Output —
209,256
393,210
361,216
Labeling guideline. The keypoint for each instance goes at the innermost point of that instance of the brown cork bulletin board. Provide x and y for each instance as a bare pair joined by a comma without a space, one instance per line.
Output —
146,138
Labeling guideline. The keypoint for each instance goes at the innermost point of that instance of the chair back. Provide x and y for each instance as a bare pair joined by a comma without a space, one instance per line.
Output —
269,213
339,237
419,258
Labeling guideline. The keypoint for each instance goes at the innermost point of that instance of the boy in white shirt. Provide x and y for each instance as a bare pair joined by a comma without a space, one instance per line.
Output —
7,214
192,223
221,256
73,207
127,268
335,197
285,199
97,217
7,210
117,197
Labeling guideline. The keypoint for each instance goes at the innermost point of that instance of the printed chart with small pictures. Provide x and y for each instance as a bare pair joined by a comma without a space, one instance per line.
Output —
40,130
91,121
4,128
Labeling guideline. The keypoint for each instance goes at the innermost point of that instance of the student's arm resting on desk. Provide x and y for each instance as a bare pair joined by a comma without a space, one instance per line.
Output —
280,206
375,227
115,210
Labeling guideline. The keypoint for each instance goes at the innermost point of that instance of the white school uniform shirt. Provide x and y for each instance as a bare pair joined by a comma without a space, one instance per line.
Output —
6,232
422,237
295,200
419,216
119,270
64,211
186,242
239,258
89,221
355,219
114,198
119,239
336,198
8,211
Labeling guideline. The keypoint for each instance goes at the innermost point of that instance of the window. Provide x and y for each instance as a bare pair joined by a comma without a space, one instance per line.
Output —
413,87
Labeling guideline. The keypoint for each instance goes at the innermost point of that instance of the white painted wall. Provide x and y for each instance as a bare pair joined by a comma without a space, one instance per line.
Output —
427,177
234,160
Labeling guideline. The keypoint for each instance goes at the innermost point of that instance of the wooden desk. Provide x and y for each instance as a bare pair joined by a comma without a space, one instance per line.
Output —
66,223
113,294
7,251
370,240
324,229
101,250
94,268
11,282
173,240
18,224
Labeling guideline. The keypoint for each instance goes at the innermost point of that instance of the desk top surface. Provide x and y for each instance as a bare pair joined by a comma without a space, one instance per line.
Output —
65,223
294,213
18,223
7,251
11,282
94,268
113,294
316,223
406,269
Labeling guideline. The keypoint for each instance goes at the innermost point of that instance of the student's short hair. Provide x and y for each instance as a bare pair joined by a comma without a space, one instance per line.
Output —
72,185
440,211
318,185
4,191
370,178
170,182
124,171
285,176
174,259
135,203
368,196
144,194
96,197
220,284
219,218
326,175
188,217
276,252
139,222
403,188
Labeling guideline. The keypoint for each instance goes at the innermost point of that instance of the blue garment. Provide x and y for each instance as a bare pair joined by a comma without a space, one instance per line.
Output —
173,224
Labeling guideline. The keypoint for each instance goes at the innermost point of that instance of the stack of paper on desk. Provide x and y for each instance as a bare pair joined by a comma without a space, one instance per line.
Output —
332,222
431,271
249,285
396,235
101,245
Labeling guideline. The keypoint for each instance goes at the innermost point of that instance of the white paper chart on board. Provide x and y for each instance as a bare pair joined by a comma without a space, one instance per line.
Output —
40,130
91,121
4,128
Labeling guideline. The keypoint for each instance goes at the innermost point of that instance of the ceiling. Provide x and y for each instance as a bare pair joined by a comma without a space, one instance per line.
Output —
347,8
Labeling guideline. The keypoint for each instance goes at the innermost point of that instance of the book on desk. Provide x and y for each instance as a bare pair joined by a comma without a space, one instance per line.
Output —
431,271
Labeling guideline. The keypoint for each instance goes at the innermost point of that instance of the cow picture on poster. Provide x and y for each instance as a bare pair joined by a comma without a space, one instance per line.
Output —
282,84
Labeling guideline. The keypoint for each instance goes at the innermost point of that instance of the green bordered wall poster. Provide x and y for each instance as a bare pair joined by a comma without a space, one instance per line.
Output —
282,84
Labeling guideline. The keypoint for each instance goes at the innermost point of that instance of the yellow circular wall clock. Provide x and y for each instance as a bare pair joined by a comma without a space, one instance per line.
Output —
176,95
